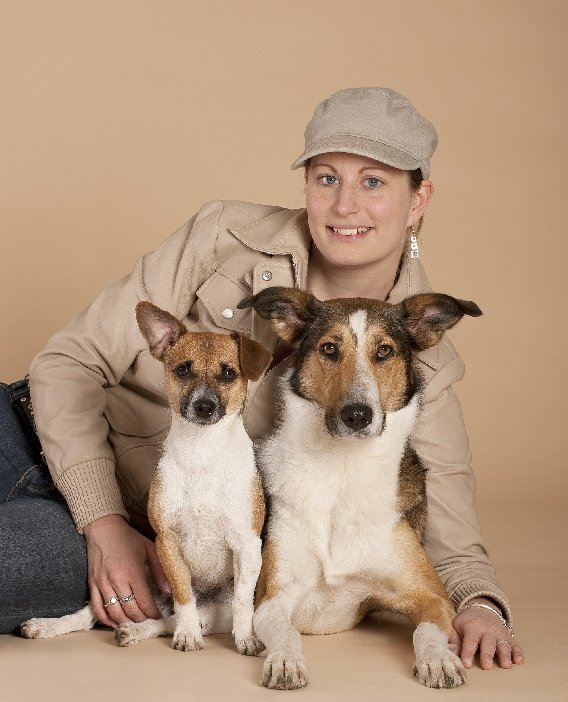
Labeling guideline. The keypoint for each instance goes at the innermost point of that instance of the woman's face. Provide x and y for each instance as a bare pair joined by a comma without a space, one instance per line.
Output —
359,209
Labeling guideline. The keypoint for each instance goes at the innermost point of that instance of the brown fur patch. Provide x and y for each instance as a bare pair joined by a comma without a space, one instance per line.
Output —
390,374
411,496
325,379
267,586
258,504
175,567
418,591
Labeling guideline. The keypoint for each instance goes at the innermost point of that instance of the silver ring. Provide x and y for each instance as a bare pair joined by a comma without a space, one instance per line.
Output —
126,598
504,641
113,600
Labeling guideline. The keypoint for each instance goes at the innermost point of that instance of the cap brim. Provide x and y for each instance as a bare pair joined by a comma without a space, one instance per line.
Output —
379,151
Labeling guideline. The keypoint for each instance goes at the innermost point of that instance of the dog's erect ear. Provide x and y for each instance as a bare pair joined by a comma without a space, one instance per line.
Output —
289,310
158,327
254,359
428,315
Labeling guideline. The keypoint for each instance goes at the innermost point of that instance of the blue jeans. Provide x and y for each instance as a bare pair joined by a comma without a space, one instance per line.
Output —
43,559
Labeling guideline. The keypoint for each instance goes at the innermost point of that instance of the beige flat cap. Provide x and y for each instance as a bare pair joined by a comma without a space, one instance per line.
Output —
373,122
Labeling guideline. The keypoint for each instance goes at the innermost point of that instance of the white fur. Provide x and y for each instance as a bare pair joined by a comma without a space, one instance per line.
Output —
436,665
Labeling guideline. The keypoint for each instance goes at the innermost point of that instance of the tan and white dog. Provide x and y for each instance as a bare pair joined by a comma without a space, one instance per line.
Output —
206,500
346,490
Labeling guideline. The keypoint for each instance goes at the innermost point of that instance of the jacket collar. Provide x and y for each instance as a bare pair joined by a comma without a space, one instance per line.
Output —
284,232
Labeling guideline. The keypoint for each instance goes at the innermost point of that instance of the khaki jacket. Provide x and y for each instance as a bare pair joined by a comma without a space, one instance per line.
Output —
101,409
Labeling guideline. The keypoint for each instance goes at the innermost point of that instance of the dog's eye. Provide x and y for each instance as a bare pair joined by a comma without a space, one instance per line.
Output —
384,351
183,370
228,373
330,350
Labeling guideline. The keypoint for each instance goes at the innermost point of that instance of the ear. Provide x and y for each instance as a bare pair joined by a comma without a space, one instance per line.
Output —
254,359
158,327
288,309
427,316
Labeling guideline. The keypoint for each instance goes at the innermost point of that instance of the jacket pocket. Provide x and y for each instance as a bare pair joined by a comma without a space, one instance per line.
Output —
220,296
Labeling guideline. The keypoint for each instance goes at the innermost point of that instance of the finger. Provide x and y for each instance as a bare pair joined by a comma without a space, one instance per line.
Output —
143,602
487,651
128,609
504,653
454,642
160,577
469,647
97,604
518,654
114,610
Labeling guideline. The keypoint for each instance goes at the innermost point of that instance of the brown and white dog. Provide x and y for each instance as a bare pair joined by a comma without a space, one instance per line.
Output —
347,492
206,501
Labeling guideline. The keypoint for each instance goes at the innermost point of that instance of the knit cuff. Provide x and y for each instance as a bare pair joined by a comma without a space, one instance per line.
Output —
91,491
470,589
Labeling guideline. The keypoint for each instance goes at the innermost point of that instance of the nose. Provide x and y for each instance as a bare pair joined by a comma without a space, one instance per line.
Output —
346,200
357,416
204,408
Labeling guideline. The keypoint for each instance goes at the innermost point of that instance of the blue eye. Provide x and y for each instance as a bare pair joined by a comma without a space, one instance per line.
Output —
328,179
373,182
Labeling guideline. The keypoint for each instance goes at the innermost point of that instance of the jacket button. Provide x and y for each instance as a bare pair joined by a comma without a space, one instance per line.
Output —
228,313
266,275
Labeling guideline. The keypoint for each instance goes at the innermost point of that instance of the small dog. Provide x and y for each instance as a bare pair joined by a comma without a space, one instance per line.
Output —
347,493
206,501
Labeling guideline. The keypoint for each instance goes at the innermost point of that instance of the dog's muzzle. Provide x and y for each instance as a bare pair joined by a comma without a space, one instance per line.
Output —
202,406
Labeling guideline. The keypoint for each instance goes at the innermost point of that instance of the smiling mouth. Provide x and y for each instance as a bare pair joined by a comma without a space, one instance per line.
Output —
348,232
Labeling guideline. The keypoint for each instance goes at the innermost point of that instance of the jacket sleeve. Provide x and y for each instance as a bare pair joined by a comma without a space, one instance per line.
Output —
453,538
68,378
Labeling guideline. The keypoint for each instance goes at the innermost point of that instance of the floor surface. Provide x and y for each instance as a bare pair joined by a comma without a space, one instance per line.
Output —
372,662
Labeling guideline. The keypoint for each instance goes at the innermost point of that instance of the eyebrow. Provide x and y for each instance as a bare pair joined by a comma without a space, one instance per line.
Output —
365,168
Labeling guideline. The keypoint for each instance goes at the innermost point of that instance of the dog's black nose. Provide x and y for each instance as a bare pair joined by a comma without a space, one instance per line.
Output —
204,408
357,416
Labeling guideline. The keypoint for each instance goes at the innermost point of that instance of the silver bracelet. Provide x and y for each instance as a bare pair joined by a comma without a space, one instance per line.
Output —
495,612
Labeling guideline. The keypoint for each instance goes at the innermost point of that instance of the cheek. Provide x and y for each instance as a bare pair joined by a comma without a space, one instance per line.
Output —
317,204
392,378
233,396
326,383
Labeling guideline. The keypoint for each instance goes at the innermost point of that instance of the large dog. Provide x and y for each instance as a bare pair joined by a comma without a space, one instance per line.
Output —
347,492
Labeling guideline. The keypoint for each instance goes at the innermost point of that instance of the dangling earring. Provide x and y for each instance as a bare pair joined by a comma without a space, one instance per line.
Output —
414,250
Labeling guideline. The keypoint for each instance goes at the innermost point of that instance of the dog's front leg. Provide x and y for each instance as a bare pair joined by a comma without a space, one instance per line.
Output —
187,632
421,596
247,561
285,665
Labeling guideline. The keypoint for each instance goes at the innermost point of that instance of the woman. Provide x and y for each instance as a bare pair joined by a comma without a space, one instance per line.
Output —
100,406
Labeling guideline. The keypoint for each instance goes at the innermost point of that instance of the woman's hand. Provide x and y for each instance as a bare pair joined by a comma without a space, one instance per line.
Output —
117,557
478,628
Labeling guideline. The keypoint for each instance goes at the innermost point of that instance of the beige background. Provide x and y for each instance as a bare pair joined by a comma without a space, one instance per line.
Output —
120,118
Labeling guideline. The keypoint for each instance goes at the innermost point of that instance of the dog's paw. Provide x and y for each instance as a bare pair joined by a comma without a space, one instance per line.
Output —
441,671
284,671
187,641
127,634
249,645
436,666
36,629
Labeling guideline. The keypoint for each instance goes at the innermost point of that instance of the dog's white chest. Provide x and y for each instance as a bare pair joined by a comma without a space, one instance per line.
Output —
205,498
335,501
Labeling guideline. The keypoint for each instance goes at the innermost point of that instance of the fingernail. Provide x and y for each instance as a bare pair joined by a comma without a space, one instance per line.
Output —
467,662
167,588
